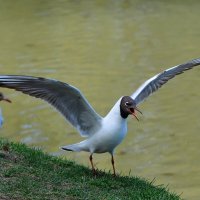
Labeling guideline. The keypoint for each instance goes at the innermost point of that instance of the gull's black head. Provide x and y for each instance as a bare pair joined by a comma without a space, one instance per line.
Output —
128,107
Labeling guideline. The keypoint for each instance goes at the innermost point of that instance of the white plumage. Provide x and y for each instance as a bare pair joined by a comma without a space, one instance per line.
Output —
2,98
103,133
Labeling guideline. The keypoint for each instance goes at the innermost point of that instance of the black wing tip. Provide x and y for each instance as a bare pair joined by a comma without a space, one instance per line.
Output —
196,61
26,78
190,64
22,76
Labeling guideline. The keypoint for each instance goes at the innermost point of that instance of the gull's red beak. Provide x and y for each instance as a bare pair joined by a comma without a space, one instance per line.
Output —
132,110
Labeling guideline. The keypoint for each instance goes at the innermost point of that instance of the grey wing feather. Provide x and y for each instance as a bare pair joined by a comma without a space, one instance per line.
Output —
67,99
154,83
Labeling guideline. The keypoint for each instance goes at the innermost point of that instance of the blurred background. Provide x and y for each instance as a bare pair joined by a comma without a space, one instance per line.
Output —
107,49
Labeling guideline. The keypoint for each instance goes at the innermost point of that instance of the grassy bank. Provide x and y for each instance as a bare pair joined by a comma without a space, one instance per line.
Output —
30,174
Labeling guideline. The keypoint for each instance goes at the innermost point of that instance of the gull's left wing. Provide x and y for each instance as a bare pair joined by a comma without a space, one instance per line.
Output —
67,99
154,83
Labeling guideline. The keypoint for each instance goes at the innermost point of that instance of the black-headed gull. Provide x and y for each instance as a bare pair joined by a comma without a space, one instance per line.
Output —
3,98
103,133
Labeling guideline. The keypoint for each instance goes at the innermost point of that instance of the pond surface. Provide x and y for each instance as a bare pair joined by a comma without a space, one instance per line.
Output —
107,49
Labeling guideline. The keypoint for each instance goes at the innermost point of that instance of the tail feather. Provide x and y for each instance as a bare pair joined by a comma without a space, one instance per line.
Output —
72,147
81,146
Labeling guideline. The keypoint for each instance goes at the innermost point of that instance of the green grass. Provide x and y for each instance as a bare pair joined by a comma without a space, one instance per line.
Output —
27,173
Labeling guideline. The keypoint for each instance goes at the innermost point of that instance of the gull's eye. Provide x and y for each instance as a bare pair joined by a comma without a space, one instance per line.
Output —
127,103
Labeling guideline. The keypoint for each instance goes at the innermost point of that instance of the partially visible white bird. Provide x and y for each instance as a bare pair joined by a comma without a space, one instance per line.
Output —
1,118
103,133
2,98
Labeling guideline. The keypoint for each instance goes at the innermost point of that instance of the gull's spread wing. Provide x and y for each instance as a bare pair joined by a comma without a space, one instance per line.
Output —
154,83
67,99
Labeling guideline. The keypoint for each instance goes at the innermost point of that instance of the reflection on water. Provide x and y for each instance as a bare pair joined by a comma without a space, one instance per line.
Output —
107,49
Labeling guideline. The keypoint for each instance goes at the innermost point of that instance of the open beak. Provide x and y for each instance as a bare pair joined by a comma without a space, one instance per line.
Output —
132,110
7,100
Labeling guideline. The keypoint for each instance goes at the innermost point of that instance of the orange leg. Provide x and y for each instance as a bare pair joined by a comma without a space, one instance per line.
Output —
93,169
113,165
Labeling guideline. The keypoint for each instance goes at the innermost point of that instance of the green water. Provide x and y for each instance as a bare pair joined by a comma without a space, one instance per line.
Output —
107,49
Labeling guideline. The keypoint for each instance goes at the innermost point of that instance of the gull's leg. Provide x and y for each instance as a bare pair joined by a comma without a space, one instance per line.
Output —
93,169
113,164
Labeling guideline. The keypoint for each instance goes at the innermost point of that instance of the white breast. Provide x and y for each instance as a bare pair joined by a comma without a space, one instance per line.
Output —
113,131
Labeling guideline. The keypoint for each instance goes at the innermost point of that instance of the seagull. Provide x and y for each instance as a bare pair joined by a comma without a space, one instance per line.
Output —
2,98
103,134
